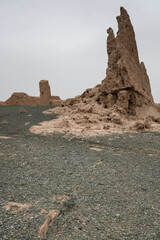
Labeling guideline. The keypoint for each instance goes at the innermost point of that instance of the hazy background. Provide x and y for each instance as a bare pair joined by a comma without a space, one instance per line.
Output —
64,41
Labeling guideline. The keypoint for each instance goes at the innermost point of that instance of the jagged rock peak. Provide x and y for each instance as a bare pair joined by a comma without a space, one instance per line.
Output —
126,35
125,76
126,84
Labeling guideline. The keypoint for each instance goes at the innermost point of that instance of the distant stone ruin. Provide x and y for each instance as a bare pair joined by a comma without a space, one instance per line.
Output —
45,98
45,92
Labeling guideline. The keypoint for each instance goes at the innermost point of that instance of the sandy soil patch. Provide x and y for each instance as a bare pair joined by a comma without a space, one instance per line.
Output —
15,207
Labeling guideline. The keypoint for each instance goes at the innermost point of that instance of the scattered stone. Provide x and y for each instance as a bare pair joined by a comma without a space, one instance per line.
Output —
99,162
148,123
4,122
106,127
22,110
27,123
115,118
43,211
15,207
142,124
51,217
4,137
96,149
87,108
68,204
139,125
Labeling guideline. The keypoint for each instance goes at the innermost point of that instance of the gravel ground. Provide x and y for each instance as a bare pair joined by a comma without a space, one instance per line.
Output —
105,187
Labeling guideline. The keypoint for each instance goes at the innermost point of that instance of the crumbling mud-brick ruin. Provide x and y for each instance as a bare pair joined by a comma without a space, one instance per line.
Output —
126,83
123,100
45,92
45,98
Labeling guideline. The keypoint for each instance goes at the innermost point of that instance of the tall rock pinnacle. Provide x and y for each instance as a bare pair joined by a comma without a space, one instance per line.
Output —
45,92
126,35
126,86
126,83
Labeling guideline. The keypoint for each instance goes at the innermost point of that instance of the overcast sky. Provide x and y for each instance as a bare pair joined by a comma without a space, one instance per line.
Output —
64,41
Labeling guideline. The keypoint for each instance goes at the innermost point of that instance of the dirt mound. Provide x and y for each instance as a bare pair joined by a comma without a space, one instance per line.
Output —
122,98
21,98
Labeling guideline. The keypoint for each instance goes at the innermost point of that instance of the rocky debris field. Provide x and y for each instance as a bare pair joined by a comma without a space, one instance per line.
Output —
68,187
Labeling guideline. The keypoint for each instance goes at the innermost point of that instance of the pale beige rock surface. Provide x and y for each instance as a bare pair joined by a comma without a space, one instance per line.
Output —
51,217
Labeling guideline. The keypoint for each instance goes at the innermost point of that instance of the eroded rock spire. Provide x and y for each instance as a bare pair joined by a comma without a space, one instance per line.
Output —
126,83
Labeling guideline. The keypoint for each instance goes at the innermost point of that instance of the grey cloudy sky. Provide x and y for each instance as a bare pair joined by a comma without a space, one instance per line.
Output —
64,41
